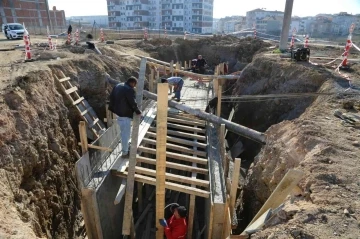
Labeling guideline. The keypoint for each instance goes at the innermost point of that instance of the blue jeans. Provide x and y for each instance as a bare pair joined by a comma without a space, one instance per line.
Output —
125,131
178,89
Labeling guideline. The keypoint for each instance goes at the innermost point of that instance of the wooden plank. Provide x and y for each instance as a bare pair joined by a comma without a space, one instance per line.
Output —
132,157
142,216
187,117
181,134
231,116
186,122
178,140
178,148
94,123
170,185
259,223
289,181
174,177
71,90
83,137
174,165
174,155
86,111
121,192
234,185
186,128
161,132
78,101
192,202
219,95
64,79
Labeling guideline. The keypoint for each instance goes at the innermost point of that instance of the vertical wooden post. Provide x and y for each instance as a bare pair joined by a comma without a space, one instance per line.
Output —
189,63
140,197
216,87
83,137
234,185
161,132
185,65
222,147
172,68
151,80
132,157
219,95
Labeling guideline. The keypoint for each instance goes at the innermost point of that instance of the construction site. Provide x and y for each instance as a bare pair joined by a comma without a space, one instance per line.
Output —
261,146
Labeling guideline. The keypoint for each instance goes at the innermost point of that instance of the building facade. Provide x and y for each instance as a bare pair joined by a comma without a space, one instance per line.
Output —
177,15
102,21
252,17
30,12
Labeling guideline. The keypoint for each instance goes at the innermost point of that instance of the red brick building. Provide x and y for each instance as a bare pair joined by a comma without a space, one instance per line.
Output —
30,12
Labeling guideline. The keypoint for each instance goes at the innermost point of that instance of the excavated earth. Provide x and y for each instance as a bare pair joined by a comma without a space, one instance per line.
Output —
38,135
38,138
302,134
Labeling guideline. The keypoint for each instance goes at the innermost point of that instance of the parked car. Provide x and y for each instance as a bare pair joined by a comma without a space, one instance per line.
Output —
13,30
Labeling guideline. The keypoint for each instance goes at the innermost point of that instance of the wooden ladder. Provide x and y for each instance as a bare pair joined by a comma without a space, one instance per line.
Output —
84,108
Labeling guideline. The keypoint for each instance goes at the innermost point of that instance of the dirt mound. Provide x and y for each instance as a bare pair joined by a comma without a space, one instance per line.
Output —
214,49
302,133
38,138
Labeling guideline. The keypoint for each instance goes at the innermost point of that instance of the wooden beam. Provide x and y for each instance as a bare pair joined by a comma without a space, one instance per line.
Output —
219,95
161,131
177,148
187,117
186,128
171,186
234,185
174,177
174,155
223,150
71,90
178,140
86,111
83,137
151,80
121,192
289,181
64,79
78,101
132,157
181,134
174,165
186,122
235,128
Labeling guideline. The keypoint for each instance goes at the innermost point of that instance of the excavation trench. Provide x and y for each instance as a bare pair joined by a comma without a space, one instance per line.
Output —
265,76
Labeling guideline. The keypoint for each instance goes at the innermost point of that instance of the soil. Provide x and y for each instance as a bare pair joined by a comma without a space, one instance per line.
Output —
38,134
303,134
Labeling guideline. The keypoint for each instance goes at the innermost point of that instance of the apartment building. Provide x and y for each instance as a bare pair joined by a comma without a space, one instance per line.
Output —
252,17
178,15
30,12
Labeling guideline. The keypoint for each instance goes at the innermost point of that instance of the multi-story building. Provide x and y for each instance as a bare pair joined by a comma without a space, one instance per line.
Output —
30,12
101,20
255,15
270,25
177,15
341,23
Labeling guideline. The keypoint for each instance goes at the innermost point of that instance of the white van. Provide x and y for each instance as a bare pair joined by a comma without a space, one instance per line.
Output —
13,30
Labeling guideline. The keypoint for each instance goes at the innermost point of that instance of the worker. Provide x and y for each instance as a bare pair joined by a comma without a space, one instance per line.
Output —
123,104
69,29
177,83
201,64
175,227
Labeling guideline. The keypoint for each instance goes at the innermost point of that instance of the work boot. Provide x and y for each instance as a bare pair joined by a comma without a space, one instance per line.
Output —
178,100
125,156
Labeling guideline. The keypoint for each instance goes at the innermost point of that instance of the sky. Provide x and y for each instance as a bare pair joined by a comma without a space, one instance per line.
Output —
223,8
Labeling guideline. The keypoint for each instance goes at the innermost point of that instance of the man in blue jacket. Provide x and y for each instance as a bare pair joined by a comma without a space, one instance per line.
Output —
123,104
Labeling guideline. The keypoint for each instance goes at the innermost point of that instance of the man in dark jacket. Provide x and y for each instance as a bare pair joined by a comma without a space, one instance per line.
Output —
123,104
69,29
200,64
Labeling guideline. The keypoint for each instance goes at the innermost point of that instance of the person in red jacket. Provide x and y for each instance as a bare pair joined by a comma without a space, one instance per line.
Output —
176,226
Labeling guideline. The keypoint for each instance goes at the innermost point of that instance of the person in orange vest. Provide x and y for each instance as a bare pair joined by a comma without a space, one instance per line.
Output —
176,226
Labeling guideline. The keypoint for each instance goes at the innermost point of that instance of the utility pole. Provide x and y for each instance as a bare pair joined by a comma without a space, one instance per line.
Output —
48,14
286,25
